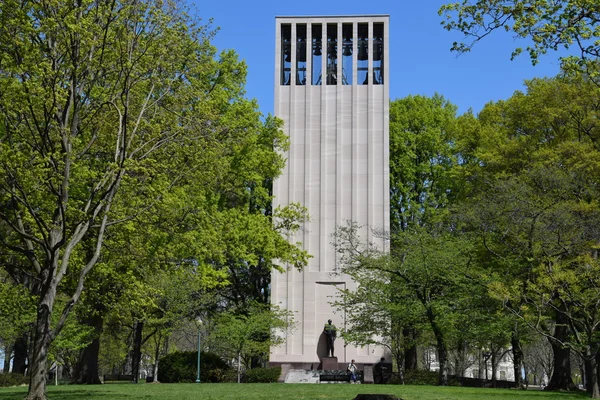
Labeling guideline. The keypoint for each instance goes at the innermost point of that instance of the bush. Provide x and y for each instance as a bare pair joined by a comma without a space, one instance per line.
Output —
181,366
262,375
231,376
421,377
221,375
13,379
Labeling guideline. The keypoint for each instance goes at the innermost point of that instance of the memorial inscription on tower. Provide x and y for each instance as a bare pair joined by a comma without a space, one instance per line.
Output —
332,92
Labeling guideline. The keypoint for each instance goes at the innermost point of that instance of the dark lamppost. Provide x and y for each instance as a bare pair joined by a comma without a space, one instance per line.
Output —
199,325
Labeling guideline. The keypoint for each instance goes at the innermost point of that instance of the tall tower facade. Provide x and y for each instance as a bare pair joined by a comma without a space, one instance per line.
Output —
332,92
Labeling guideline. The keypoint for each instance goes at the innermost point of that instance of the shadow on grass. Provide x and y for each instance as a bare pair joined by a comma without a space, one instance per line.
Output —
65,395
12,395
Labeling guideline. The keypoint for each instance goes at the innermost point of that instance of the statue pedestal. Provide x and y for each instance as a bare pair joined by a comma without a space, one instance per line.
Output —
302,376
368,374
329,363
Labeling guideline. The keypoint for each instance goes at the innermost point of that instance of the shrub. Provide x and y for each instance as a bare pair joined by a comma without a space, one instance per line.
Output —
221,375
415,377
230,375
181,366
421,377
13,379
262,375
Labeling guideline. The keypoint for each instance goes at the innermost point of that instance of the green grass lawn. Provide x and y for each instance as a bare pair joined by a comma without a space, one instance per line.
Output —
276,391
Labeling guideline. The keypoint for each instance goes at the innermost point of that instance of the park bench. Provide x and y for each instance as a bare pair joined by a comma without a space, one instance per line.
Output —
338,376
118,377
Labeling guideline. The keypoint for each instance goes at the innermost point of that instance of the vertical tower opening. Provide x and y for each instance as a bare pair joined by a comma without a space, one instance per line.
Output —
286,53
378,53
332,54
347,41
317,35
362,58
301,54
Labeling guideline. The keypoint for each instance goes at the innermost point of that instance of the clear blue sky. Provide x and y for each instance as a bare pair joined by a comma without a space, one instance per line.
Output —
420,57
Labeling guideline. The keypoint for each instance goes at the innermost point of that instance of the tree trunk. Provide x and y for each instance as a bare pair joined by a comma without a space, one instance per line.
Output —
517,352
156,358
399,358
480,364
41,343
400,375
443,363
20,358
561,375
136,355
494,366
86,370
155,372
410,353
460,364
442,351
591,375
7,357
239,366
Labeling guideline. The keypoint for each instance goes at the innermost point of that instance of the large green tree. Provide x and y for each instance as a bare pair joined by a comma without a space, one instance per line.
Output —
249,333
422,283
421,158
421,155
424,278
536,209
196,225
105,107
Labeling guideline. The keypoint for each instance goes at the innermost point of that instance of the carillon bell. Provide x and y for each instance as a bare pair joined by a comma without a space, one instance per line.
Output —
316,49
377,51
347,48
363,53
301,51
331,50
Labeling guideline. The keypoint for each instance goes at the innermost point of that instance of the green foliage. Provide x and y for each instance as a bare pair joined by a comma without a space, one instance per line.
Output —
72,338
145,163
534,206
262,375
427,281
420,377
422,155
181,366
250,332
113,348
17,311
129,98
423,281
547,25
13,379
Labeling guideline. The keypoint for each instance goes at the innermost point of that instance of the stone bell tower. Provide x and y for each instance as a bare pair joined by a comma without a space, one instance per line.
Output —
332,92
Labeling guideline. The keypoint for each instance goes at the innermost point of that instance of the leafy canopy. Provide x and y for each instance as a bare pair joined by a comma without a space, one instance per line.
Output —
548,25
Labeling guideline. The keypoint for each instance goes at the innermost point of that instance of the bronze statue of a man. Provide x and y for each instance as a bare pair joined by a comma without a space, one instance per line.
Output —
330,332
